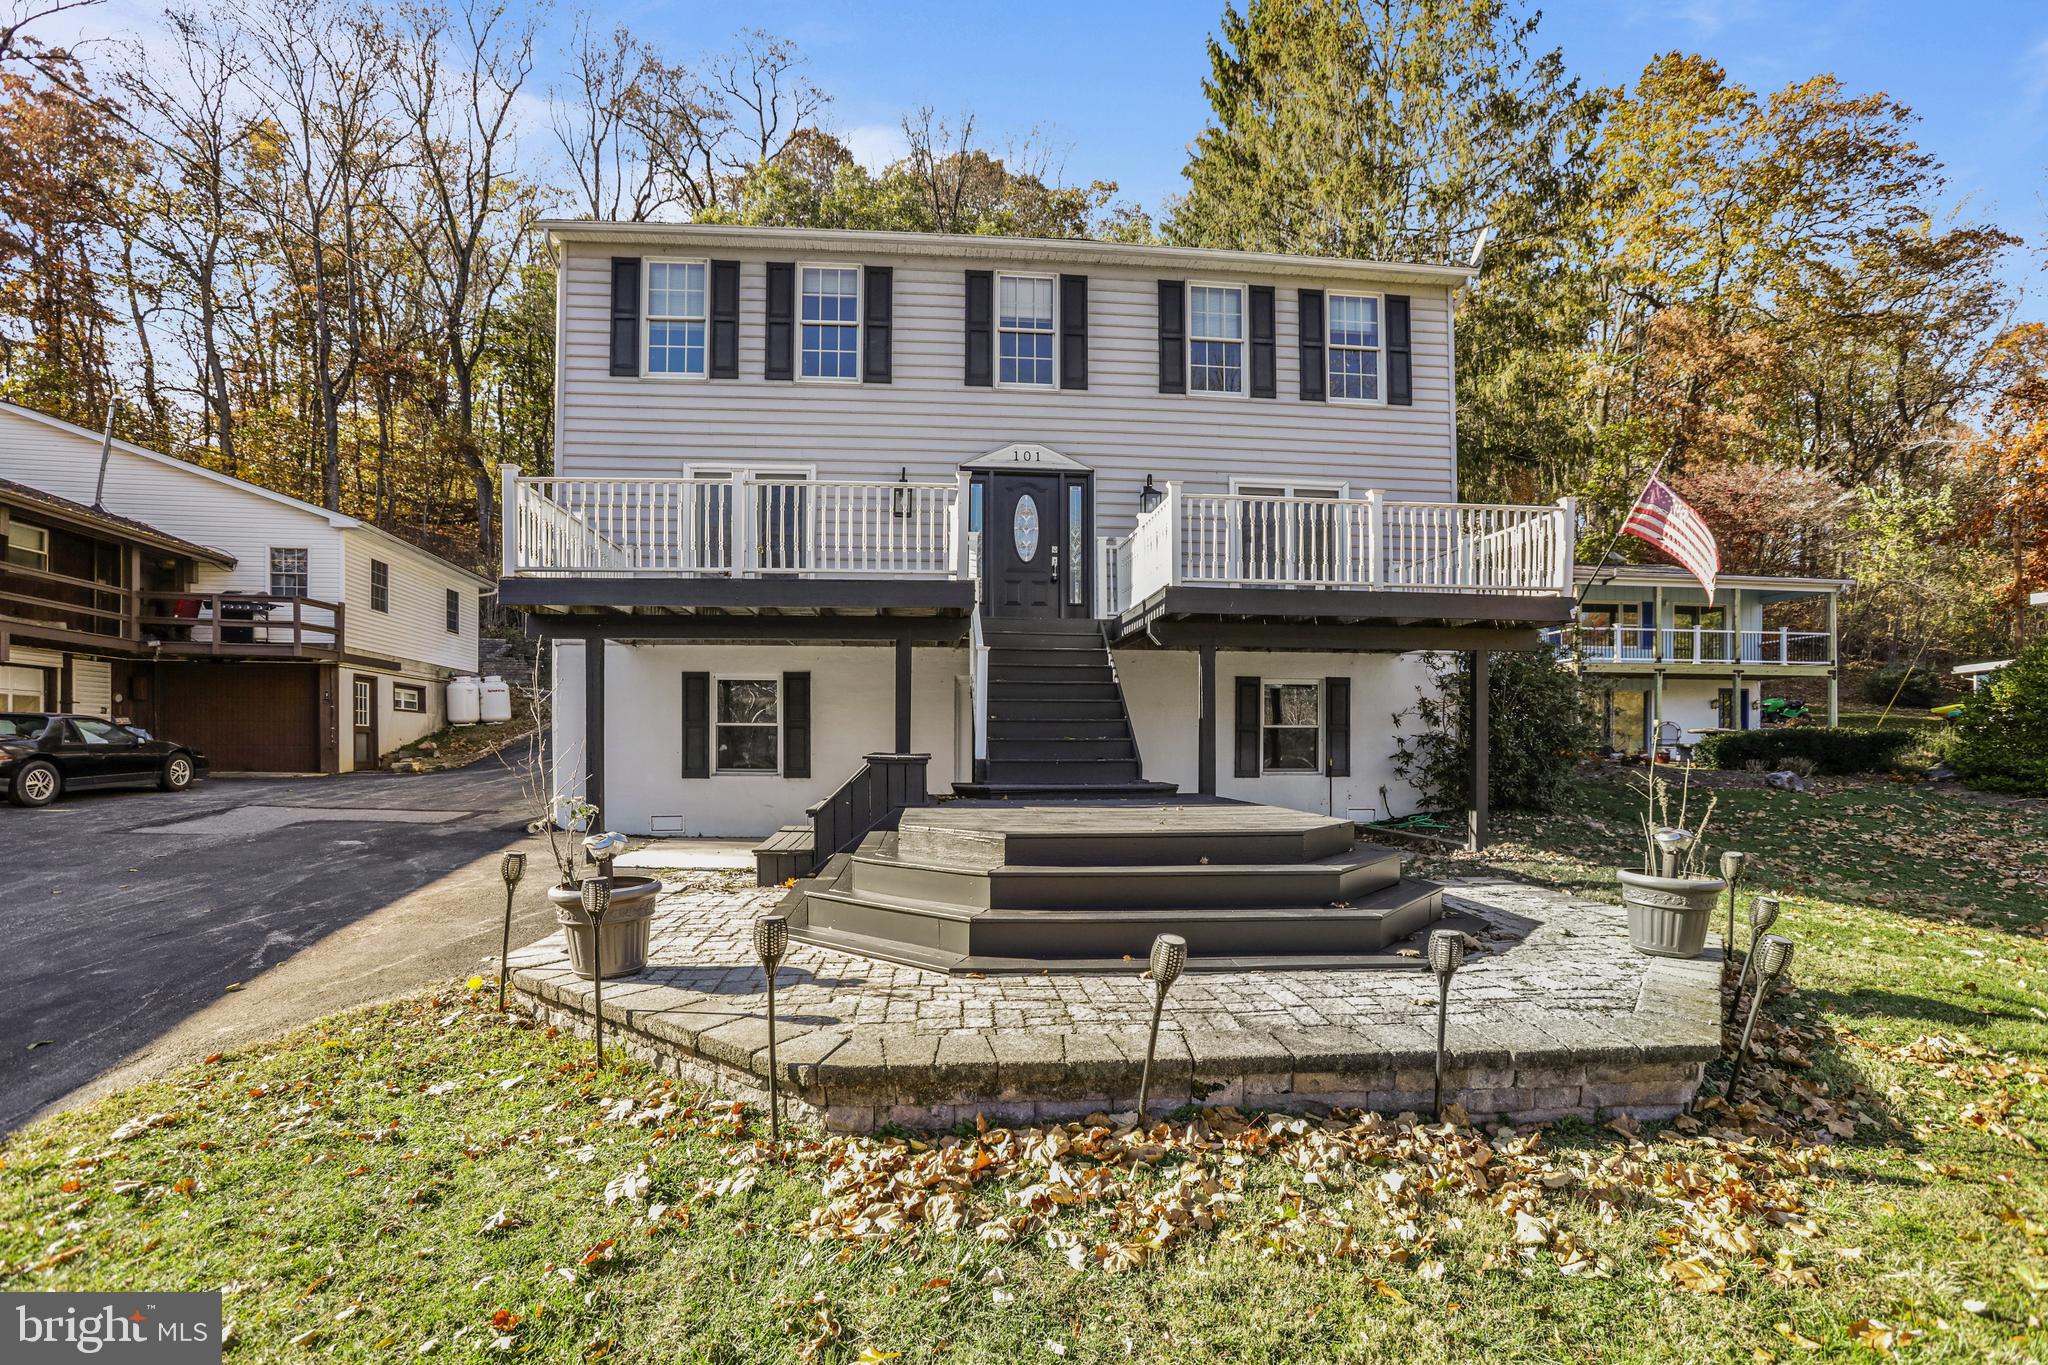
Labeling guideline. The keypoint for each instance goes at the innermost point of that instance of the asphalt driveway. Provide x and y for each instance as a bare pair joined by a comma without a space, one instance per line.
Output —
146,929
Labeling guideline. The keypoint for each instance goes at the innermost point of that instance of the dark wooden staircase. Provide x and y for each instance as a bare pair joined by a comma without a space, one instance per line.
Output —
1057,725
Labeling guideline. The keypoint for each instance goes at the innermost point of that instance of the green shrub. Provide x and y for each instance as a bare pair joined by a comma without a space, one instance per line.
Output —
2001,735
1538,724
1836,751
1916,687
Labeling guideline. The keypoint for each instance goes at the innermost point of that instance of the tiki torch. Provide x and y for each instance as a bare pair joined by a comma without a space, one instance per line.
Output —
1773,955
1732,865
1446,955
771,941
1169,959
597,898
1763,913
512,868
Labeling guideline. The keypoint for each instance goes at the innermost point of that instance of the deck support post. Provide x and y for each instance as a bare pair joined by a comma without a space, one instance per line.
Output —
902,696
1475,834
593,724
1205,767
1656,718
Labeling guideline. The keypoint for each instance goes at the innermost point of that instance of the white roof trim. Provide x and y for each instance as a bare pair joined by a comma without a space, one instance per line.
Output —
1990,666
339,520
958,246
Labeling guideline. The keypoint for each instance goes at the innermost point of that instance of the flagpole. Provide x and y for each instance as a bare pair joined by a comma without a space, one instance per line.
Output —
1615,539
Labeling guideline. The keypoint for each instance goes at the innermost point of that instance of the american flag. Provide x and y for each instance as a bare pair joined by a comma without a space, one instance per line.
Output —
1668,522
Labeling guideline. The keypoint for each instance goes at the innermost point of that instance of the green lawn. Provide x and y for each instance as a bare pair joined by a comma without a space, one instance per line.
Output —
431,1177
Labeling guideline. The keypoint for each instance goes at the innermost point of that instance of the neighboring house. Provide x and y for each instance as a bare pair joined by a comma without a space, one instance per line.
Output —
1069,517
270,634
1648,632
1979,675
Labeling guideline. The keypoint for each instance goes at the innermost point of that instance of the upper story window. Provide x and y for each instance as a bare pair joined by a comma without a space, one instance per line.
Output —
454,612
1355,347
1024,322
28,546
380,585
1216,338
831,322
675,317
288,577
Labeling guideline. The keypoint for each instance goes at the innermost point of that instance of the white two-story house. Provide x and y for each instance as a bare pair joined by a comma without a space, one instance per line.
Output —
269,634
1060,518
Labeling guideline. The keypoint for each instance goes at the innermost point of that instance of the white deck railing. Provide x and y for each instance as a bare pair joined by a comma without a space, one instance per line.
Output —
743,527
1625,644
1250,540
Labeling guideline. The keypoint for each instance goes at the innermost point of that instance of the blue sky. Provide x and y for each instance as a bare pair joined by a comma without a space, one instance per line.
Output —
1118,84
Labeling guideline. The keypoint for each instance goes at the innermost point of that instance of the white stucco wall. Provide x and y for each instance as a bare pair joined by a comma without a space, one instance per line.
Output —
853,713
1163,691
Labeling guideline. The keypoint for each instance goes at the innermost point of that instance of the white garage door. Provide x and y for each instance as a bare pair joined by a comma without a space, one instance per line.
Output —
21,689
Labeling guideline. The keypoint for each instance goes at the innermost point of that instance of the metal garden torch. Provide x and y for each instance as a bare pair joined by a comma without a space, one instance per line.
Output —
1446,955
512,868
597,898
1763,913
1773,955
1732,865
771,942
1671,844
1169,960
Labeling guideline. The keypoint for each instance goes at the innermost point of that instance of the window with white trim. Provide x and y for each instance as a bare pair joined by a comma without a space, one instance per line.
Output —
1024,327
408,698
28,546
676,316
831,322
1354,347
1291,727
380,585
454,611
746,725
288,576
1215,338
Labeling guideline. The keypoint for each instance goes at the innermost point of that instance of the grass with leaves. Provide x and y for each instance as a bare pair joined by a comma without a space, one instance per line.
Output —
433,1178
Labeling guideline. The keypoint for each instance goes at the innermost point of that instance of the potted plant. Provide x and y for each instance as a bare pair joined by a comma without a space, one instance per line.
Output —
618,945
1671,900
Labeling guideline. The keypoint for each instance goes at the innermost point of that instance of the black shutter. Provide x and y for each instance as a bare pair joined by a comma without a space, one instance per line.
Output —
796,725
1247,727
1314,366
981,315
1400,369
696,725
1073,331
781,330
1337,726
725,319
877,314
626,316
1264,361
1173,337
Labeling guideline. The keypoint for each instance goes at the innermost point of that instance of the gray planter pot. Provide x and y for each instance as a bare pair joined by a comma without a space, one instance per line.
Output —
624,932
1669,916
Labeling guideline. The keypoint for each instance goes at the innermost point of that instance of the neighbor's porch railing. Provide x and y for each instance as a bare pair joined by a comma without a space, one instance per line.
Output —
1253,540
1697,645
741,527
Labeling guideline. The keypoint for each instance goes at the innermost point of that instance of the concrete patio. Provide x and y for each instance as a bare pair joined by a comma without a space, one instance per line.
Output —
1552,1015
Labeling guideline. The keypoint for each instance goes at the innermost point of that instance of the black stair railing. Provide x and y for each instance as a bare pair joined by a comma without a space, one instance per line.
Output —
885,785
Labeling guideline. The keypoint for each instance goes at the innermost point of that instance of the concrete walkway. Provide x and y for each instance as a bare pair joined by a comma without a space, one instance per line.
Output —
145,929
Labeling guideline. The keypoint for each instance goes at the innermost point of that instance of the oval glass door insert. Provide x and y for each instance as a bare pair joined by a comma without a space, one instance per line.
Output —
1024,527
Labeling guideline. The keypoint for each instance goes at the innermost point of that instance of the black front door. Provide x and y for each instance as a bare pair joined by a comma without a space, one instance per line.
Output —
1022,538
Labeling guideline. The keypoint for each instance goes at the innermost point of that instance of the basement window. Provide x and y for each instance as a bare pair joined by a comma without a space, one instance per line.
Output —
747,728
1291,725
407,698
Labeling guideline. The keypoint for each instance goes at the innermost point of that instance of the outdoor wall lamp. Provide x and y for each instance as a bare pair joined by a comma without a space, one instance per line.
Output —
597,898
771,943
1446,955
900,497
1773,955
1169,960
512,869
1149,496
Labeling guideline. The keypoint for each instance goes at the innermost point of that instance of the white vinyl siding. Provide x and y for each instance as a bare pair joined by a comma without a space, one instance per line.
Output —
415,630
928,421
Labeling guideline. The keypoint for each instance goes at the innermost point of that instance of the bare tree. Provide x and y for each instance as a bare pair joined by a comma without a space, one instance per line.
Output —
593,118
939,161
767,97
458,79
17,45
